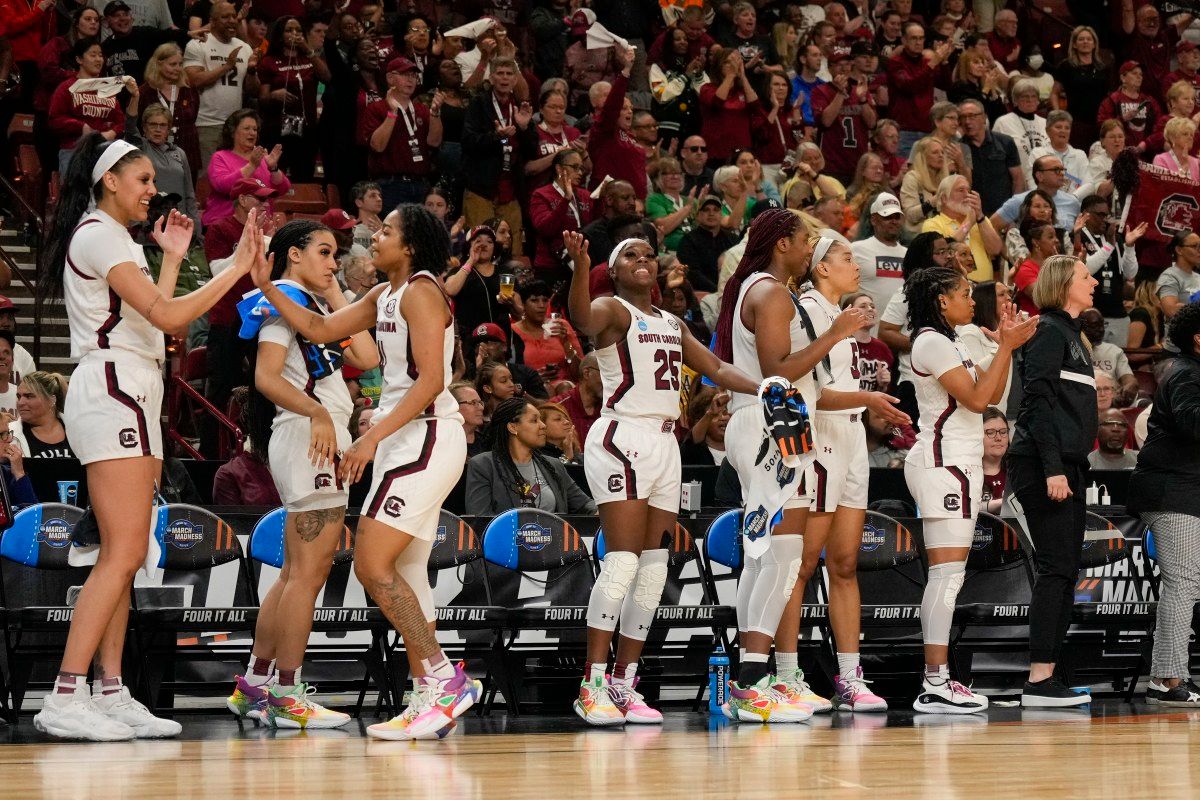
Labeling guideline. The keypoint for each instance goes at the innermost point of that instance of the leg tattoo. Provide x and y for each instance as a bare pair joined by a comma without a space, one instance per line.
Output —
400,605
309,524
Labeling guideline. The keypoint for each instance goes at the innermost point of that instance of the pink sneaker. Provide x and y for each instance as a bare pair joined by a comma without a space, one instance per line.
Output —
851,693
632,705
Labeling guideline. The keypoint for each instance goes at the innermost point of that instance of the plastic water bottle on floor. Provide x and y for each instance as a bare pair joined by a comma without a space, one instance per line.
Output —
718,679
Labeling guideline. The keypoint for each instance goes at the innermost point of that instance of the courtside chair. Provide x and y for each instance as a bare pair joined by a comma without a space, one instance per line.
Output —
540,571
335,618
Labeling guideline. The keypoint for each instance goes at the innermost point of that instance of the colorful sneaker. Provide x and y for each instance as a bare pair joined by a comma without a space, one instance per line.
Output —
796,688
853,695
248,701
121,707
595,704
756,703
75,716
944,696
289,707
432,709
631,704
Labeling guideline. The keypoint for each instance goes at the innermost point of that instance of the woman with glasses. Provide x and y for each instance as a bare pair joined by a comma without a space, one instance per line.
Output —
563,205
669,207
995,447
172,169
1180,281
12,467
166,84
515,473
554,136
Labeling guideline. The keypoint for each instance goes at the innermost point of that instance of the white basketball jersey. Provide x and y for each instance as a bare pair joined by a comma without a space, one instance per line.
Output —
396,358
843,358
640,373
745,352
98,318
950,435
315,369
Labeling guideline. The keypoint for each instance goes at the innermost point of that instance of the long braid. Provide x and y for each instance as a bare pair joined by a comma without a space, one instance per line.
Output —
765,231
922,290
506,469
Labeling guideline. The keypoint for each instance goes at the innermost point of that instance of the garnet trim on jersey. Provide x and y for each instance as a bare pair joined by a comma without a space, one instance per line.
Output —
822,481
114,391
405,469
626,372
615,452
938,433
71,263
110,324
965,485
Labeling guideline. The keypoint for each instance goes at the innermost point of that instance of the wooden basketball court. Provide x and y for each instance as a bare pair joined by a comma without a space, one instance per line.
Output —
1112,751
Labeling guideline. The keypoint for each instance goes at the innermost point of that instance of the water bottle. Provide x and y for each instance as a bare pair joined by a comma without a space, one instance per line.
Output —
718,678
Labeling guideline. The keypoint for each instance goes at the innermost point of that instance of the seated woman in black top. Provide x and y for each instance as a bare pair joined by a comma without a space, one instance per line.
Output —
514,474
40,399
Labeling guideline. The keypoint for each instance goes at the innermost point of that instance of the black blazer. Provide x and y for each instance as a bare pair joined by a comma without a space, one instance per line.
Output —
488,494
484,153
1168,468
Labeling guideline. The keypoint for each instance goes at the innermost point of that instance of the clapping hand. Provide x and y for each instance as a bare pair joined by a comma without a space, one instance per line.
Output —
173,233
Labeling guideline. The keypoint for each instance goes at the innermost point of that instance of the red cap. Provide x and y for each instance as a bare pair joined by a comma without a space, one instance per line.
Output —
1185,47
338,220
402,65
254,187
489,330
839,54
6,304
1129,65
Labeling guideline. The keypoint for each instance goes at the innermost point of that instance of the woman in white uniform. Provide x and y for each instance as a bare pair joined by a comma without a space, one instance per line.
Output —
117,315
631,459
838,477
417,443
302,406
944,469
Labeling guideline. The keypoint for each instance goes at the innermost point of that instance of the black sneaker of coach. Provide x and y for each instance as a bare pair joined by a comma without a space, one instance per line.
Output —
1052,693
1185,695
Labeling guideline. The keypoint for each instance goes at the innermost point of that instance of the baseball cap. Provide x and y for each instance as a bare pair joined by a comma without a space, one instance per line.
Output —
115,6
7,305
711,201
839,54
481,230
862,48
338,220
1129,65
402,65
886,205
764,205
489,330
1185,47
254,187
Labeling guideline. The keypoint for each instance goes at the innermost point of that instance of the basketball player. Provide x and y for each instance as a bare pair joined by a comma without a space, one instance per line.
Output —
117,315
944,469
302,405
632,463
761,333
838,476
418,445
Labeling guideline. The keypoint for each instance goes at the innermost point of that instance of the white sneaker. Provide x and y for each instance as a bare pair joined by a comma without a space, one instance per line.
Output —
122,708
940,696
75,716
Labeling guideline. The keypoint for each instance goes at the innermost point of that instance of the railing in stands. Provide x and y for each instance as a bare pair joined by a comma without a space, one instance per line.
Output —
238,437
34,220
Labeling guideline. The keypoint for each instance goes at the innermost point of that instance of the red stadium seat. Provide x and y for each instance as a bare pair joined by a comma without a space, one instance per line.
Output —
20,130
304,198
203,189
333,197
27,175
1146,383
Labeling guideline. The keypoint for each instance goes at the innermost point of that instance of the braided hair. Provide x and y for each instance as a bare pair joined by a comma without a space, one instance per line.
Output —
505,414
765,231
922,290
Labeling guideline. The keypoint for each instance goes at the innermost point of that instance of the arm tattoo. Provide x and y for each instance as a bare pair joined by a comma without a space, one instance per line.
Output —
309,524
399,604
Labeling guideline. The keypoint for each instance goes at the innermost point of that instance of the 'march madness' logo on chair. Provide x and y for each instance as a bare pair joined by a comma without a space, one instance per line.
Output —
872,538
533,537
55,532
183,534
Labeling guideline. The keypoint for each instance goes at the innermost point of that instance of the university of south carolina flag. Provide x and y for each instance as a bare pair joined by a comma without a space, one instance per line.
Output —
1168,202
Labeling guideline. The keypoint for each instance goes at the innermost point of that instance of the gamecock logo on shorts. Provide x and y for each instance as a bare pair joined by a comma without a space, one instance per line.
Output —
323,481
393,506
616,483
128,437
951,502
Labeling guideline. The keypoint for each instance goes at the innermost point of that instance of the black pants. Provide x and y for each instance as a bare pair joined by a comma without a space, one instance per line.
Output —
1056,529
228,367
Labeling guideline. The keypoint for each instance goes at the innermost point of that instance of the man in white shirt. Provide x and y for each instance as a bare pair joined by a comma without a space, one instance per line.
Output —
1109,359
1023,124
1074,160
881,257
221,69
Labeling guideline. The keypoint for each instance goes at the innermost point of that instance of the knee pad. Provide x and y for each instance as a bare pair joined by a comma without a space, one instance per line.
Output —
948,532
937,605
637,612
617,574
778,571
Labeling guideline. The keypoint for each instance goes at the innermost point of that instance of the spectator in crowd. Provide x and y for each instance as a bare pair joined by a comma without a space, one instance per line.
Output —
562,442
918,190
881,257
582,403
476,286
1113,262
679,298
1162,492
55,64
417,48
1188,56
368,205
554,136
726,105
671,209
288,75
358,275
545,341
166,84
74,114
1002,40
1023,124
737,199
1050,176
41,397
172,169
1134,109
1042,242
221,68
402,135
758,186
245,480
1181,104
978,78
489,344
889,32
23,362
8,388
1109,358
1112,142
885,142
1036,209
1110,452
563,205
1180,281
12,466
471,408
1106,391
844,110
618,205
127,46
550,31
995,447
708,416
995,159
361,420
960,217
497,135
946,130
810,170
777,129
693,158
701,246
875,359
806,80
870,181
1058,144
882,450
1084,78
239,158
1030,70
1179,136
911,73
1146,322
1149,43
494,383
515,473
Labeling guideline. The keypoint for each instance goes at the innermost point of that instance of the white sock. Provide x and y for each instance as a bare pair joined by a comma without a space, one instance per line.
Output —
786,663
741,654
847,663
255,677
438,667
627,678
941,672
596,670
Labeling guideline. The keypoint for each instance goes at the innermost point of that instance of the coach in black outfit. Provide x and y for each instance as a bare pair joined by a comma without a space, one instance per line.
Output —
1047,466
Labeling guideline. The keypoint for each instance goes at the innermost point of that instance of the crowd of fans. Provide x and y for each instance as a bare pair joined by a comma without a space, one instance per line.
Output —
979,135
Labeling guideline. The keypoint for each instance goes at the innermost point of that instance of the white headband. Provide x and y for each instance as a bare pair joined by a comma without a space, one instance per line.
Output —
620,248
821,250
111,155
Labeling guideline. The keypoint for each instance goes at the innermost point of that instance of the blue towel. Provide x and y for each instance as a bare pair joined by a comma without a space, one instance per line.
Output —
255,309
